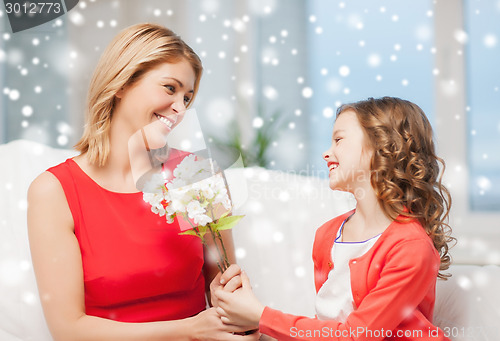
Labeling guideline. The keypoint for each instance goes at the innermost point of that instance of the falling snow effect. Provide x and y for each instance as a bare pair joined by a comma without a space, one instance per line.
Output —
349,60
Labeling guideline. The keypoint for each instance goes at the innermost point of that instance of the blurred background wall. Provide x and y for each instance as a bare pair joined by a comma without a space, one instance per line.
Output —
275,72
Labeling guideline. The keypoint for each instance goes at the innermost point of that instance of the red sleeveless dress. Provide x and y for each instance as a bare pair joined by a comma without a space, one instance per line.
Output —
136,266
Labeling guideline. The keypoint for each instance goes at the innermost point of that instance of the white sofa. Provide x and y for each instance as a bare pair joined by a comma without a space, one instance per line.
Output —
273,244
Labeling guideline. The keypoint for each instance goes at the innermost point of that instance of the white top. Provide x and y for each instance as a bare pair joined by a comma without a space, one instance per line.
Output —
334,300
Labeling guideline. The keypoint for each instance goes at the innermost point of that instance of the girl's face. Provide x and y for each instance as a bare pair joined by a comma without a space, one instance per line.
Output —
157,101
348,158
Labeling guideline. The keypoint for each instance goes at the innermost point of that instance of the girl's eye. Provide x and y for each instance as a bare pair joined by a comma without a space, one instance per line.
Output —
337,140
187,100
170,88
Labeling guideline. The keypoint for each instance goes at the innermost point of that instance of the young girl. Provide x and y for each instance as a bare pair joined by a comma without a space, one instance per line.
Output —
376,266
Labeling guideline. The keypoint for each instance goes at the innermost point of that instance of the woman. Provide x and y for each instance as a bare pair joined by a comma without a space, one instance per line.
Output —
107,268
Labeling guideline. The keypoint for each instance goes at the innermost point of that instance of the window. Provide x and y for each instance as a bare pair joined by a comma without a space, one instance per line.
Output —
441,55
34,83
483,105
361,49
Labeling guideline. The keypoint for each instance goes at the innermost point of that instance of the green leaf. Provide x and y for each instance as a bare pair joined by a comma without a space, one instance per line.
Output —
225,214
189,233
226,223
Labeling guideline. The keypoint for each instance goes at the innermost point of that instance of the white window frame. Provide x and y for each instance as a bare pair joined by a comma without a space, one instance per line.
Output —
478,233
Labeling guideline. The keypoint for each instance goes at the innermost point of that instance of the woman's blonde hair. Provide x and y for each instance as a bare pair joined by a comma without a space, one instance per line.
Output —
133,52
405,171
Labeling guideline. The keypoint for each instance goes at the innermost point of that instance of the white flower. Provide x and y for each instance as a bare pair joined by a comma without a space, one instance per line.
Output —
202,219
155,184
187,168
160,210
223,198
208,192
155,200
194,209
197,187
177,205
192,169
176,183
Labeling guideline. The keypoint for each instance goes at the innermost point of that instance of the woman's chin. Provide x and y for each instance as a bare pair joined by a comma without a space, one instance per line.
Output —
157,142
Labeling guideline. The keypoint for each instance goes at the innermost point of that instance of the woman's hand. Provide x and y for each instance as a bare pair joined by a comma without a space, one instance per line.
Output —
229,281
240,307
208,326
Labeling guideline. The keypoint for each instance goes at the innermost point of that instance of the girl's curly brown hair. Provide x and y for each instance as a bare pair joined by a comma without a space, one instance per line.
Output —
405,168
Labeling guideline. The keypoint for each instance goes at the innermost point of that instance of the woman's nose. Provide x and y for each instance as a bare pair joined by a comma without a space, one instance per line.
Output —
326,155
179,106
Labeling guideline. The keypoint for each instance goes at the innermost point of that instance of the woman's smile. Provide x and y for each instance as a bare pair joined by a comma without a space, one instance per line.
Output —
168,121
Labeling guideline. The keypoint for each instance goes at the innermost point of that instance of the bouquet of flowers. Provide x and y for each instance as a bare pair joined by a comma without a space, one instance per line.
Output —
198,195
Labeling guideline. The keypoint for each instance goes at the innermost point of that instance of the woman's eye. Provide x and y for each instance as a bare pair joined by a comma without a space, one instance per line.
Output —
337,140
187,100
170,88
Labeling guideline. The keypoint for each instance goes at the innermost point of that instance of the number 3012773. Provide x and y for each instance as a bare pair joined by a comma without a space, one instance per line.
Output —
32,7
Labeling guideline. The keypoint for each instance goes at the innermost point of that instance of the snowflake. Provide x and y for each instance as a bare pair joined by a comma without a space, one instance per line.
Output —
76,18
300,271
62,140
27,111
328,112
344,71
257,122
460,36
14,95
307,92
240,253
278,236
490,40
374,60
270,92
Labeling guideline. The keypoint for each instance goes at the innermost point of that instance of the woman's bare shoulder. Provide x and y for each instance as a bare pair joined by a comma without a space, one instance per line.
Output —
45,185
47,202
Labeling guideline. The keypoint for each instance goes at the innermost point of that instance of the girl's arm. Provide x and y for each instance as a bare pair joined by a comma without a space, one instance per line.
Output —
406,278
58,268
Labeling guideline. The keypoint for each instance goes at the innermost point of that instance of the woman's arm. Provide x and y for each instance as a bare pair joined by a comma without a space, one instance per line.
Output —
58,268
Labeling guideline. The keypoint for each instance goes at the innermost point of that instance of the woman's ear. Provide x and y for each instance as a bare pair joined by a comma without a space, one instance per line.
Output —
119,93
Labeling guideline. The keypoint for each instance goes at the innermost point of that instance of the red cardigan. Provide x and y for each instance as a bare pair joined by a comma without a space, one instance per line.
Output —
393,286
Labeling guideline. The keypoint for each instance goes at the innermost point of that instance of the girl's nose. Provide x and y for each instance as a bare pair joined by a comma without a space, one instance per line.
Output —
326,155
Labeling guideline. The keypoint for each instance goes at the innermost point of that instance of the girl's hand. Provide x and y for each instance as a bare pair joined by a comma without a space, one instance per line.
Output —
229,281
241,307
208,326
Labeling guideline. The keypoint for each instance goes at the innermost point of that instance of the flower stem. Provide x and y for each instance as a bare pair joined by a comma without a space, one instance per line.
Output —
195,228
221,257
224,250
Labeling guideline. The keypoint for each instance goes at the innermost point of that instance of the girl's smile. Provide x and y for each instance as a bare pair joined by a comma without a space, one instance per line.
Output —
348,158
